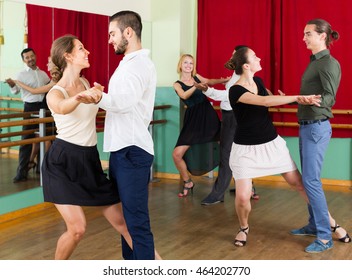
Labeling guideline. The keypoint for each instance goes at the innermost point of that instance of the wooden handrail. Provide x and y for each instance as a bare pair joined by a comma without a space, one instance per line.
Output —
24,132
32,121
10,98
26,141
294,110
51,137
11,109
26,122
17,133
161,107
18,115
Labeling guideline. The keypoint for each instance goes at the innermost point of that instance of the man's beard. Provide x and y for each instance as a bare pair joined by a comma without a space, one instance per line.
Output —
121,48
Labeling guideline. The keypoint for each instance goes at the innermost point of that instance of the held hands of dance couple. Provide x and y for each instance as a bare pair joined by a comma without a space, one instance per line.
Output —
301,99
92,95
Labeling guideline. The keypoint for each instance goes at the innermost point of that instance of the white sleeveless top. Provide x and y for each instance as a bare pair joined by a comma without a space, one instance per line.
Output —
79,126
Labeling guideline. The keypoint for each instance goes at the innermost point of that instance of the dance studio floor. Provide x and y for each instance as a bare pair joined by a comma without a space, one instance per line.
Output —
185,230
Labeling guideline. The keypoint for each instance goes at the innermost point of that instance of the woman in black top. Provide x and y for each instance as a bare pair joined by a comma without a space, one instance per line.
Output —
257,149
196,148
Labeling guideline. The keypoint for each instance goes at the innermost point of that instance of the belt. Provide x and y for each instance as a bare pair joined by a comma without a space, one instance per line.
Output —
312,121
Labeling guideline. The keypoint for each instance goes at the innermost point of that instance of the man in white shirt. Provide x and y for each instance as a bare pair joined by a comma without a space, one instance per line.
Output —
228,128
34,77
129,106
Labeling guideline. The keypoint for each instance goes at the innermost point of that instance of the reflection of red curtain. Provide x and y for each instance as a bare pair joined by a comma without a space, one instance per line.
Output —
274,29
46,24
40,32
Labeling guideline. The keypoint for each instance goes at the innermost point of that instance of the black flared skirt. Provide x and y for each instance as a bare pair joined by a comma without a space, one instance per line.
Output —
201,131
73,174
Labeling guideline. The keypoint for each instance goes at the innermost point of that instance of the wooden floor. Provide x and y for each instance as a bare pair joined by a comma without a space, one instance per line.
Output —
185,230
8,168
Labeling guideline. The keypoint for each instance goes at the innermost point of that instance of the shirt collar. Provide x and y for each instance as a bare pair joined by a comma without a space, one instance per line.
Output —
319,55
29,68
131,55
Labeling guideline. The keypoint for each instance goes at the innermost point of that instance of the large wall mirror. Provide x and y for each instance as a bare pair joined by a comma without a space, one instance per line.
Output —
13,39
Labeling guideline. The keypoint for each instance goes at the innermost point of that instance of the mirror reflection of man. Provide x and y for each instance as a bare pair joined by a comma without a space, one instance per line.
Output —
33,77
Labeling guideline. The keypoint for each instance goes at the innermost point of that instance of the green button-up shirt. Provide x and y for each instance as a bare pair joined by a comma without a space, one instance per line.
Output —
322,76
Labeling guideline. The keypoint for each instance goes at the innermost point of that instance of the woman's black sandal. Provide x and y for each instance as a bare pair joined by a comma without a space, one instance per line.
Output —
241,243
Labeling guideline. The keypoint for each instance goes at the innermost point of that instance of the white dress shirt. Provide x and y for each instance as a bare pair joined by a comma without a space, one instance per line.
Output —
32,78
129,103
223,95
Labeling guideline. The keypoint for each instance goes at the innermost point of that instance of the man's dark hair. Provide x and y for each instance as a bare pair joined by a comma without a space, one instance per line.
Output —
126,19
26,50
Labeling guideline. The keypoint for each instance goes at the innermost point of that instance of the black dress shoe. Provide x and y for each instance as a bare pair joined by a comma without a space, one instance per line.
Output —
19,179
210,201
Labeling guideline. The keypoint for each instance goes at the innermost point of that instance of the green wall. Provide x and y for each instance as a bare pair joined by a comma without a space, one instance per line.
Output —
338,158
337,164
21,200
166,135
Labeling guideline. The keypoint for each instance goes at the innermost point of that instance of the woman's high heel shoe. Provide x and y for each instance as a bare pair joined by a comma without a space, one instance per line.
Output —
254,194
31,165
345,239
241,243
188,189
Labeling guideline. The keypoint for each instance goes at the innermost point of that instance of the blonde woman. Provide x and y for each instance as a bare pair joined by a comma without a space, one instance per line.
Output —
199,136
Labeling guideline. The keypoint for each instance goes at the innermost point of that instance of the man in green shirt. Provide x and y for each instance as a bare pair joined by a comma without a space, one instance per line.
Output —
322,77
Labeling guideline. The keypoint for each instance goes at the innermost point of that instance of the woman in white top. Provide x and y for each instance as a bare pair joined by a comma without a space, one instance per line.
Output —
72,172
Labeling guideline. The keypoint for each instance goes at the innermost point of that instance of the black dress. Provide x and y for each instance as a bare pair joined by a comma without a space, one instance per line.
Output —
200,131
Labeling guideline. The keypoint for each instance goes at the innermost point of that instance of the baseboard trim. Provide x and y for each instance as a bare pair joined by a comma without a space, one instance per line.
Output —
277,178
24,211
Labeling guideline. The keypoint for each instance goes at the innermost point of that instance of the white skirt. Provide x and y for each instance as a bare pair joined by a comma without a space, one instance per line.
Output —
251,161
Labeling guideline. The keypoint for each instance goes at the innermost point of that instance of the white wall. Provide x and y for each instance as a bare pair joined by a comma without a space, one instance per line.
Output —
173,33
13,28
169,30
103,7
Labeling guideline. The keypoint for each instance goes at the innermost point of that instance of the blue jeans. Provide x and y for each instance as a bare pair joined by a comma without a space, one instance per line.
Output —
129,168
313,142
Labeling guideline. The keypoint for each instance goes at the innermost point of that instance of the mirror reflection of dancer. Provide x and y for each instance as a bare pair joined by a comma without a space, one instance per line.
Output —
55,77
34,77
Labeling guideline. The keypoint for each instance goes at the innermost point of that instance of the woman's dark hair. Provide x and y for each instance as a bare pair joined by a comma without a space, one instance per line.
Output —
238,59
60,46
322,26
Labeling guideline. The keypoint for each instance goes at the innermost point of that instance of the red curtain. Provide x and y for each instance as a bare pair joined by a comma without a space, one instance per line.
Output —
45,24
274,29
40,32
